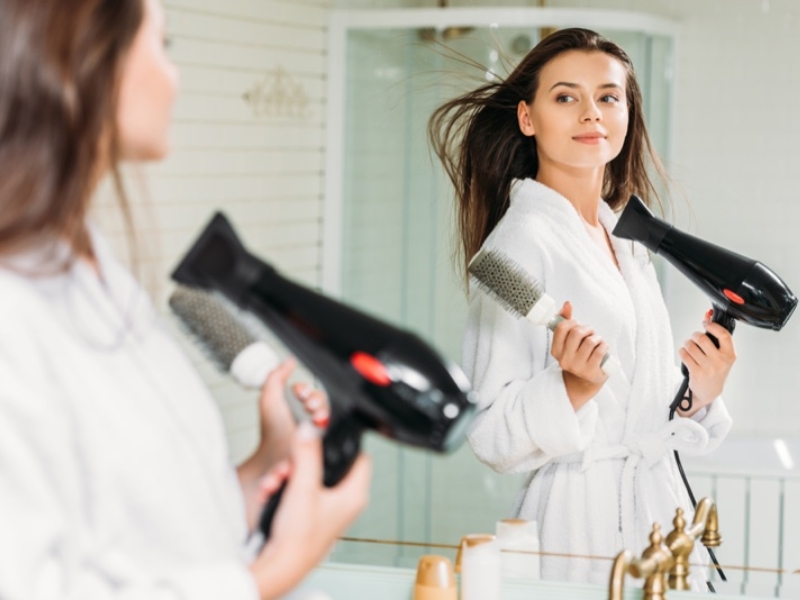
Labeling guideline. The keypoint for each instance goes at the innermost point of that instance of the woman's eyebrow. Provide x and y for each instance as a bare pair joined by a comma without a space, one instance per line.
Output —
565,84
576,86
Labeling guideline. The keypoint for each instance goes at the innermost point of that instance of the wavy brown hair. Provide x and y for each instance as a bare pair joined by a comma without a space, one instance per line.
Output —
60,70
478,140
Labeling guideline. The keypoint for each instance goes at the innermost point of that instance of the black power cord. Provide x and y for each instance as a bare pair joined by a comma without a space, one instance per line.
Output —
683,400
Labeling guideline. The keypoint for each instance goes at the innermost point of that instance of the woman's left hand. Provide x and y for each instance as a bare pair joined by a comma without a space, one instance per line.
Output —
708,365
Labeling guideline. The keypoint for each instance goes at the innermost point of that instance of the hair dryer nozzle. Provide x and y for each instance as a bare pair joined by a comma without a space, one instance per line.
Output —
637,223
218,260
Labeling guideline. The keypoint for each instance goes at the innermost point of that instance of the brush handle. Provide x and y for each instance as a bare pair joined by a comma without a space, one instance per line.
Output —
610,363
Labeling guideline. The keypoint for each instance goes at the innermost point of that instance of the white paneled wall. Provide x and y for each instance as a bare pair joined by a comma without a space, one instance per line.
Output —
261,164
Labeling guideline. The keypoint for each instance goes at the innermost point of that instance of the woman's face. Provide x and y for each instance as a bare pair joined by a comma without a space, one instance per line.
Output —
579,114
147,91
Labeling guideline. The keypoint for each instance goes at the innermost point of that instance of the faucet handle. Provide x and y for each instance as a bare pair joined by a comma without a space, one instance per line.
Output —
711,536
680,544
680,540
655,563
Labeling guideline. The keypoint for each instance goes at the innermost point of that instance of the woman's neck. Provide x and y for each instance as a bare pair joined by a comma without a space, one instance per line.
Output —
582,187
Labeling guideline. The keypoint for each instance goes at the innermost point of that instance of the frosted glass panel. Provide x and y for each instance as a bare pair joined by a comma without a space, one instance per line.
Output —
397,247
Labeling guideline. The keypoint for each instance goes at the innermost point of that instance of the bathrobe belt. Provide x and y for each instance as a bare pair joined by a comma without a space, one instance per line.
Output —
640,450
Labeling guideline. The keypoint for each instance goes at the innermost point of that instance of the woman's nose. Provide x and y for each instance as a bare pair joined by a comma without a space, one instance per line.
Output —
591,112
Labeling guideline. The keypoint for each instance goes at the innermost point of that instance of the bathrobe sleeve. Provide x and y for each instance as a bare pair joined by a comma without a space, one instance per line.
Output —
525,416
48,549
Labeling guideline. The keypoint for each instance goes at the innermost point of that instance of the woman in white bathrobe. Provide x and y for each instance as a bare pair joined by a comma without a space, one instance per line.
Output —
114,472
543,161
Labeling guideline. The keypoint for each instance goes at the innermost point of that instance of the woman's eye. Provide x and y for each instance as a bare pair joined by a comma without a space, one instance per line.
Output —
609,99
564,98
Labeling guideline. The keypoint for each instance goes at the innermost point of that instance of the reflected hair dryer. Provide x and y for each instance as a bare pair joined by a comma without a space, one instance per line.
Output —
377,376
739,288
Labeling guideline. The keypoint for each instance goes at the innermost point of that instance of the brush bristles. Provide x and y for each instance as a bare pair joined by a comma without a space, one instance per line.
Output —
218,333
505,281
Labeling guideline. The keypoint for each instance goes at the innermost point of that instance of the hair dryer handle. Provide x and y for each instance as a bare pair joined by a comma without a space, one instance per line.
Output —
340,447
718,315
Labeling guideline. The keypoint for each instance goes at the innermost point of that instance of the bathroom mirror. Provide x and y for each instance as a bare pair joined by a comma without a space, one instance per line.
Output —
727,143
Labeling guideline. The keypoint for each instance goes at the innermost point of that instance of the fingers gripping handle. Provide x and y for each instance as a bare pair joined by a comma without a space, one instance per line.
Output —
718,315
610,363
340,448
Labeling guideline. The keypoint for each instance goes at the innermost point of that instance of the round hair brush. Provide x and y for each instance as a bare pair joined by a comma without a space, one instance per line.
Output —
521,294
222,337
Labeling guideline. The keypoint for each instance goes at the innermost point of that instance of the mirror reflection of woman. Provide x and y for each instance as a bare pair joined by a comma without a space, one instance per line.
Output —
114,472
541,163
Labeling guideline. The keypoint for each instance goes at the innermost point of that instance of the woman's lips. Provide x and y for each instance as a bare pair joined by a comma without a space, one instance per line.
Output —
589,138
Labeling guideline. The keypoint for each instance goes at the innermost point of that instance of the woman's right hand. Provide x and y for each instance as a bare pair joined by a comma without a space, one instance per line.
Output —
310,517
579,351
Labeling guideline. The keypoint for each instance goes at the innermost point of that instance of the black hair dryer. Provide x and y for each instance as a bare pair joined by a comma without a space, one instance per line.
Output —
377,376
739,288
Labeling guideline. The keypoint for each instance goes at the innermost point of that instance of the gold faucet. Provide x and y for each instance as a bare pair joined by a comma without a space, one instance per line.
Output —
655,562
680,541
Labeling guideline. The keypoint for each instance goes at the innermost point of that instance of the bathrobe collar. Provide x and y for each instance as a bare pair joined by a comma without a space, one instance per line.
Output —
528,195
624,283
104,307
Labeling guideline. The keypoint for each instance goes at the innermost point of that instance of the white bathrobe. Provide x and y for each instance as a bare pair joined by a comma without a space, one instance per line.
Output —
114,473
599,477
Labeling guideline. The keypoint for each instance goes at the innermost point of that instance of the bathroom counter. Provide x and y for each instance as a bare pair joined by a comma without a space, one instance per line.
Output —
362,582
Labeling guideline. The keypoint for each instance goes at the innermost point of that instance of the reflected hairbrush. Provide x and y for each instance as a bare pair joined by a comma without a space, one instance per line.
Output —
521,294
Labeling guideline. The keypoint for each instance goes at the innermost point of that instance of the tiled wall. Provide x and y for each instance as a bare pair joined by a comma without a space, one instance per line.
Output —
259,160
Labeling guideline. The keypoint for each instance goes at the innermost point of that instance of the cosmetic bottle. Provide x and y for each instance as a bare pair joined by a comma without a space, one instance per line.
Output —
519,547
435,579
478,561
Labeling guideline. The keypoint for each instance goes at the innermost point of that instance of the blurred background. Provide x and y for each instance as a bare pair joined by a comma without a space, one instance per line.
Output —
304,120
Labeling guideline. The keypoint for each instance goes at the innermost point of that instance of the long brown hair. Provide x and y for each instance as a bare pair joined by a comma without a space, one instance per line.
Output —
60,66
478,140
